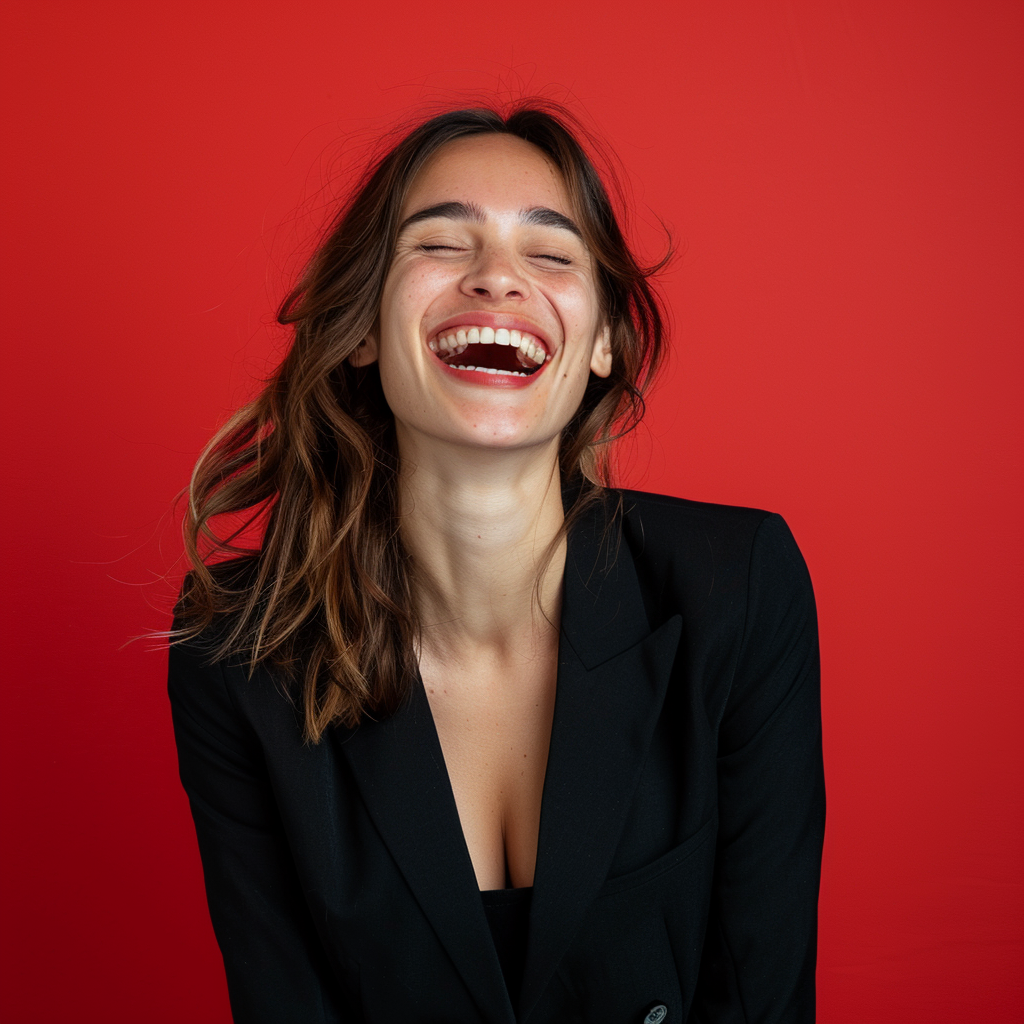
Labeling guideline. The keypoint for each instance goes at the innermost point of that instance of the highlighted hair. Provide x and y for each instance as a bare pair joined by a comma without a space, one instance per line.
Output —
312,461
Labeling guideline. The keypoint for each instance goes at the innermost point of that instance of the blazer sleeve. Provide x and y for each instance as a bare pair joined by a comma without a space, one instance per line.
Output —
759,954
275,965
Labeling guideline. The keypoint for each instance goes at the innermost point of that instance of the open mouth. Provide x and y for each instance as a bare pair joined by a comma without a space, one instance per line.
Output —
490,350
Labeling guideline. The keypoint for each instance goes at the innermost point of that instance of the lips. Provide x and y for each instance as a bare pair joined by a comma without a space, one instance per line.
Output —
504,347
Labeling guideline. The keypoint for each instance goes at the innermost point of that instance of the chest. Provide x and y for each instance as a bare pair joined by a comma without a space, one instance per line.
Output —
493,719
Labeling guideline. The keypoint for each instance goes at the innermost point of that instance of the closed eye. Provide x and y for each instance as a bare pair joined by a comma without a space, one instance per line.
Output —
562,260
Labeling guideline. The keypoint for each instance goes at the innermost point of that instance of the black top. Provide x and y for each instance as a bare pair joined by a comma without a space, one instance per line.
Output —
681,821
508,914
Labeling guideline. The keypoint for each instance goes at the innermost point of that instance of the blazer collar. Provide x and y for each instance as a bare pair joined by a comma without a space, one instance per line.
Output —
612,675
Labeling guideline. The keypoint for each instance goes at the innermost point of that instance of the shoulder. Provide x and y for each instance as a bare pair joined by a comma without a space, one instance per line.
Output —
710,557
667,518
661,526
208,634
211,676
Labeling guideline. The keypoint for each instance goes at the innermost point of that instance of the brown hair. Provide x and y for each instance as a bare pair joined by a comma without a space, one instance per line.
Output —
312,462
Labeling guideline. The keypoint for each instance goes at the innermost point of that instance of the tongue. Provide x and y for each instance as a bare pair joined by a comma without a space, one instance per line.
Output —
496,357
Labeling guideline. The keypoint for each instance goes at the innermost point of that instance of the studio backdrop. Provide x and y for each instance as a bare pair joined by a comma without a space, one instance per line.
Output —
841,184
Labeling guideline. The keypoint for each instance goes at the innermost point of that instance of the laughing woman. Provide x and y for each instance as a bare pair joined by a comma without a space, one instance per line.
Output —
473,737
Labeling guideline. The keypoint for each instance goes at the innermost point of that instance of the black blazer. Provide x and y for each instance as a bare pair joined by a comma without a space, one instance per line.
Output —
681,824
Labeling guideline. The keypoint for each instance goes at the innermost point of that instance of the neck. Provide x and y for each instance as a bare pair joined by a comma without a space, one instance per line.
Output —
479,526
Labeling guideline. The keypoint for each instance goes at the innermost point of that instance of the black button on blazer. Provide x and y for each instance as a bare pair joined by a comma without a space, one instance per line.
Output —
681,823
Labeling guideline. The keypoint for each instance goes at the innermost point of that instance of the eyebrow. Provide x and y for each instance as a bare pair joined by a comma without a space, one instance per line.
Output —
539,215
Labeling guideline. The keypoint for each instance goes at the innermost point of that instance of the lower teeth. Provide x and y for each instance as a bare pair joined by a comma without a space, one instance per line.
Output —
488,369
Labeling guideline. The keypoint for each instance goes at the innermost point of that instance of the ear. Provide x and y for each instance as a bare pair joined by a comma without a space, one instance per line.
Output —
601,359
364,353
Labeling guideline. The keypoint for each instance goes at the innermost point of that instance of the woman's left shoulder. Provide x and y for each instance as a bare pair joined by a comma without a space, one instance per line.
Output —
684,513
710,549
665,521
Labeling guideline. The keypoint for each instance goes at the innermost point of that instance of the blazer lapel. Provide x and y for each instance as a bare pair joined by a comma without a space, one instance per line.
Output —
612,676
401,774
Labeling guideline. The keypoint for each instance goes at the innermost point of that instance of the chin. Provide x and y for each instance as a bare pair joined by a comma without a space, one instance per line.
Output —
500,432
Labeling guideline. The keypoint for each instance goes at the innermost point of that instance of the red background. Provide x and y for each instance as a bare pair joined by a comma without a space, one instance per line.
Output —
843,180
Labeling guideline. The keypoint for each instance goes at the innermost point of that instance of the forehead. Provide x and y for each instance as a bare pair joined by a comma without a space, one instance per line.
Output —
496,172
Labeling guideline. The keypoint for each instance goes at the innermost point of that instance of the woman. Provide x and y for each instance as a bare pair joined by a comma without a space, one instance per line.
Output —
472,737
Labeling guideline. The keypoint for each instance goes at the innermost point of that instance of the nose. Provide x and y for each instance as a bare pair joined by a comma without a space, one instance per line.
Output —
495,275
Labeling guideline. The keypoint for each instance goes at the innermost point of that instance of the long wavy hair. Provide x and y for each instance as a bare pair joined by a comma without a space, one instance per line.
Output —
310,466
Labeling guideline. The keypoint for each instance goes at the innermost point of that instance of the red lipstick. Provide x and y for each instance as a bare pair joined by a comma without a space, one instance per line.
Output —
483,378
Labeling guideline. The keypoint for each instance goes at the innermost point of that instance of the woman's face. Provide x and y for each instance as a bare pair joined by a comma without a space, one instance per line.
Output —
490,322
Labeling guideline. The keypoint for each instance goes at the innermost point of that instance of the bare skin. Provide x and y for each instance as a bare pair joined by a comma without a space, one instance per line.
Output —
479,479
489,656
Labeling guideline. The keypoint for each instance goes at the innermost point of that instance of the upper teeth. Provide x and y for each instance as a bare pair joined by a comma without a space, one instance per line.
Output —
457,339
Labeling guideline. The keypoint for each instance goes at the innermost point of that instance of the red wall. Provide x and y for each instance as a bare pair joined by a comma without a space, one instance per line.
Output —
843,180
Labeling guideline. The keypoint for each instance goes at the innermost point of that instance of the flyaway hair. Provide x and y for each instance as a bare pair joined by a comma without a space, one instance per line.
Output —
313,461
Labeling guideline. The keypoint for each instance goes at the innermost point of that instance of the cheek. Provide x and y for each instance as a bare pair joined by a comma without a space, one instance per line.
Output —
580,309
409,295
401,310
